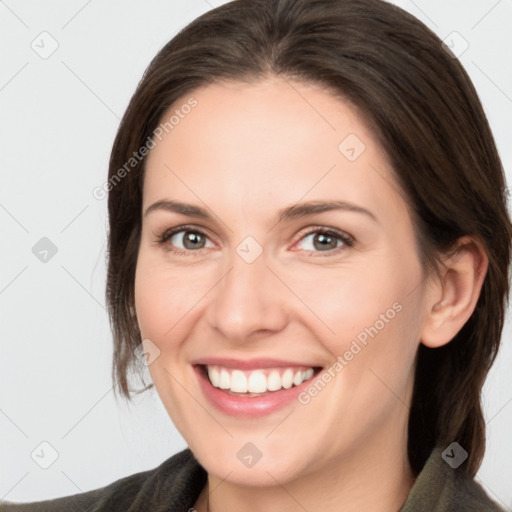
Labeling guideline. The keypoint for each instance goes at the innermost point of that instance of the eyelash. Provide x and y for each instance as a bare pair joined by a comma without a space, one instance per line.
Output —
348,241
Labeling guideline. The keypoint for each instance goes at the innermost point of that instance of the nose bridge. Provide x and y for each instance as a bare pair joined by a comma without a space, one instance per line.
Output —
245,300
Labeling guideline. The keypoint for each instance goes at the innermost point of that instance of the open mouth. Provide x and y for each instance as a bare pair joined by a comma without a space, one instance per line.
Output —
257,382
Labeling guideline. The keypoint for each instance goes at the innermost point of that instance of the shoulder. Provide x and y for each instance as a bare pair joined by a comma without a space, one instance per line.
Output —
440,488
178,479
470,496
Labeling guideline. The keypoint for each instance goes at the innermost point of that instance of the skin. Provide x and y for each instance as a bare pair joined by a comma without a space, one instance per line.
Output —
245,152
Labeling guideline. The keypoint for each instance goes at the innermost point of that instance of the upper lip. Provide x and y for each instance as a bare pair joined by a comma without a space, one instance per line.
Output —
248,364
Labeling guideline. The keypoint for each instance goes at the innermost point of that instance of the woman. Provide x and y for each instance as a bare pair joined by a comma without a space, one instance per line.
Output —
309,236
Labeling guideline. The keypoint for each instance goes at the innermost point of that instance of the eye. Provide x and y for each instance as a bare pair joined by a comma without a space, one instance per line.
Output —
184,240
327,240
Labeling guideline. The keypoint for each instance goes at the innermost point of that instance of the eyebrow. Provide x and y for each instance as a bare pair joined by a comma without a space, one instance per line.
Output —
291,212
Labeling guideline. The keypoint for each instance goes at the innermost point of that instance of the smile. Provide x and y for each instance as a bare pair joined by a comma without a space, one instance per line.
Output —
259,381
245,389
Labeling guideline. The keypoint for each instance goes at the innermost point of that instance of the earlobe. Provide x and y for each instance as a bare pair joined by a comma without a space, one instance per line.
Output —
454,297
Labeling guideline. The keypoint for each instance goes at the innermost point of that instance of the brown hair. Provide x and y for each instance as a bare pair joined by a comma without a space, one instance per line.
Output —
428,119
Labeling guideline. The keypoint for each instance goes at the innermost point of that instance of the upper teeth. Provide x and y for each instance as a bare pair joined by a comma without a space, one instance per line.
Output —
257,381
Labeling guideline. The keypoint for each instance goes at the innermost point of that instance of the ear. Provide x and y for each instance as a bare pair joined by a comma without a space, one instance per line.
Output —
452,299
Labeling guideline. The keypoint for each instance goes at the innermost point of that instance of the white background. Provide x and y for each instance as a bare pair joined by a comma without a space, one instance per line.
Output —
59,118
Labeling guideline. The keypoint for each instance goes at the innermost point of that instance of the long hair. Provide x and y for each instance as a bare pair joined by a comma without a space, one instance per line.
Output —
426,115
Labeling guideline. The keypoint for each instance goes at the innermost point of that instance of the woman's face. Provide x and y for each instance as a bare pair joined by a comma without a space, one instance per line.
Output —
261,290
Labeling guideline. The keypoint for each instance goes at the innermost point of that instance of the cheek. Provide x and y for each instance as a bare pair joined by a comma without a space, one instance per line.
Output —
367,313
164,299
349,300
165,296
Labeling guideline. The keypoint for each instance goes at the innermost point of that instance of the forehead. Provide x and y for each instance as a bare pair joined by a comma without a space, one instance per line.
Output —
283,138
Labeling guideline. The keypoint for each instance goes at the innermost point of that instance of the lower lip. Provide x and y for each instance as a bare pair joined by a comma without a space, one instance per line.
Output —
249,406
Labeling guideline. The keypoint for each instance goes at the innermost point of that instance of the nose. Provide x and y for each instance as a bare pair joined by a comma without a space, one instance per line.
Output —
248,302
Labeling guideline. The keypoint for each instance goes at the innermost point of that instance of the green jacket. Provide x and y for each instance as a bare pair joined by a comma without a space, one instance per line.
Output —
175,485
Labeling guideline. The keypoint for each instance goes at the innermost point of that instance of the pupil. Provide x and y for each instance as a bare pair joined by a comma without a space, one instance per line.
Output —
322,238
192,238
